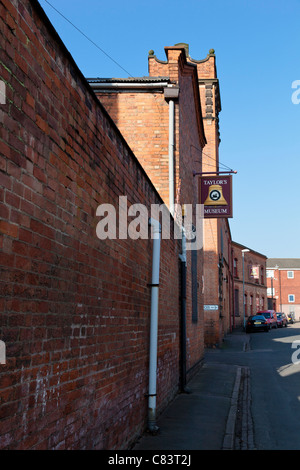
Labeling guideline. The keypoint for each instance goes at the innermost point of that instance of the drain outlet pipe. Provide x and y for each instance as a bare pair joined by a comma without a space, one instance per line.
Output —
156,235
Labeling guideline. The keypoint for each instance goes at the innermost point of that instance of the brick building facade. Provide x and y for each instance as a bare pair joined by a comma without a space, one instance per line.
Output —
141,110
161,118
283,281
76,309
254,287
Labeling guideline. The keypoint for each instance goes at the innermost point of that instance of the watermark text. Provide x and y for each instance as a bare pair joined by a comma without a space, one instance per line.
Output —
132,222
2,92
296,93
2,353
296,354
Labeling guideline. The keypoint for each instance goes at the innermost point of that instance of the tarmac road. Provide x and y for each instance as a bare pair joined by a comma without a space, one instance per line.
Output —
273,363
245,397
275,388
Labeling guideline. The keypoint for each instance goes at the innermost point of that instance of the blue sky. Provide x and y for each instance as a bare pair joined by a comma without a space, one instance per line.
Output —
257,47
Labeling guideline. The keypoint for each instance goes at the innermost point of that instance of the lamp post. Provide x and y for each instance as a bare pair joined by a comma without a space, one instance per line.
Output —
279,288
243,256
272,305
272,291
277,267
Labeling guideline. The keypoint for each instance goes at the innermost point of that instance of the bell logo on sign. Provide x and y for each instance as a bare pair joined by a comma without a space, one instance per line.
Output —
215,196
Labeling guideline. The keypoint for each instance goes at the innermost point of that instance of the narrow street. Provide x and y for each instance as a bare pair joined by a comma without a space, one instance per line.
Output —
268,410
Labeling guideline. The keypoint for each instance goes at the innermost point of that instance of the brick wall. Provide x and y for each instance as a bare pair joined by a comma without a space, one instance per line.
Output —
143,119
75,309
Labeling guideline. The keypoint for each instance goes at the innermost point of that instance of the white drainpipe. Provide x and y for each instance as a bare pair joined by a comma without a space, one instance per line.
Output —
154,325
171,156
171,94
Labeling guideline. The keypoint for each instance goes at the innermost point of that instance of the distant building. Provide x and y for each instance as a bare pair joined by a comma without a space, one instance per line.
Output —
283,282
250,278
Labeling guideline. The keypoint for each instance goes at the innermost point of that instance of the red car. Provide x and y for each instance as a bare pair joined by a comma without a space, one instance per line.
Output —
281,319
270,316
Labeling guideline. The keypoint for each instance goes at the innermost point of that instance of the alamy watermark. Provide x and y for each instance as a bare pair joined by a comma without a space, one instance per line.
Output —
2,353
296,93
296,354
2,92
132,222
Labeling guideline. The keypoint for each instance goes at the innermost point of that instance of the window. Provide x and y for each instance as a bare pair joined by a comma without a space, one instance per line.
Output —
251,304
290,274
291,298
262,279
254,273
194,268
235,273
236,303
270,273
271,291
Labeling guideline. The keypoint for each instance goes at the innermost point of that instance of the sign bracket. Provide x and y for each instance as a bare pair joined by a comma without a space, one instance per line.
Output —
216,173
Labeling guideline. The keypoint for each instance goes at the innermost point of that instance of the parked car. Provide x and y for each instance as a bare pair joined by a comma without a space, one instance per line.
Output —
281,319
257,322
270,316
291,317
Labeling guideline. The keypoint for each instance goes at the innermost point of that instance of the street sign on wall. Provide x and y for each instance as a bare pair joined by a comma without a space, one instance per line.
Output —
216,195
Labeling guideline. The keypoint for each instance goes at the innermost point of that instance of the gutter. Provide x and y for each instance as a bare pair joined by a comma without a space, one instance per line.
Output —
127,85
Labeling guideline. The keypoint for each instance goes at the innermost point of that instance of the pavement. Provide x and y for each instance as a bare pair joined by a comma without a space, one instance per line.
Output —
215,415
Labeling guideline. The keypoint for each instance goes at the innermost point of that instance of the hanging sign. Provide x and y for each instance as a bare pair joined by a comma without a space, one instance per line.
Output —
216,195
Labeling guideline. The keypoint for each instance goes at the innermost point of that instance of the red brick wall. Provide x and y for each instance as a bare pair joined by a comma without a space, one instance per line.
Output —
75,309
143,119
